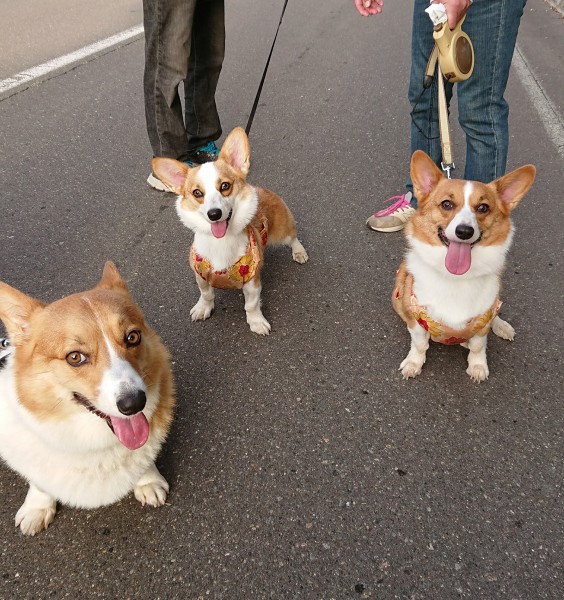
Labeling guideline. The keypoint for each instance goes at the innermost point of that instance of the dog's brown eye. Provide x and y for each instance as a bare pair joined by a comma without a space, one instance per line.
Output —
75,359
225,186
447,204
197,193
482,208
133,338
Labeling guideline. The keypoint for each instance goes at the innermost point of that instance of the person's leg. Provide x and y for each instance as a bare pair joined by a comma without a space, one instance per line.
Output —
483,112
168,27
425,106
424,126
206,59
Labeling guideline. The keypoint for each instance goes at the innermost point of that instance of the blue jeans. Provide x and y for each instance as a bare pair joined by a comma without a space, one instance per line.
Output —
184,42
492,26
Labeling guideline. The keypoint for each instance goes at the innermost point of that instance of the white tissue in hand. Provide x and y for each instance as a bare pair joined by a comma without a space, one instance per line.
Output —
437,13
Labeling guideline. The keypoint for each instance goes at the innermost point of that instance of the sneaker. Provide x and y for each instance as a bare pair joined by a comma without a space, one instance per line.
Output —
207,153
157,184
395,216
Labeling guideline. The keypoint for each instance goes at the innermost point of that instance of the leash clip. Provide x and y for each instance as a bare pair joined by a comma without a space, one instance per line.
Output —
447,168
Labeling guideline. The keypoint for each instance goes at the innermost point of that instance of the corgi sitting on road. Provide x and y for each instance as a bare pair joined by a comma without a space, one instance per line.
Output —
86,400
232,222
447,288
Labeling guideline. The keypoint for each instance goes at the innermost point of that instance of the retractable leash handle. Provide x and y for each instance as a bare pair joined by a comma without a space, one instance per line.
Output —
456,53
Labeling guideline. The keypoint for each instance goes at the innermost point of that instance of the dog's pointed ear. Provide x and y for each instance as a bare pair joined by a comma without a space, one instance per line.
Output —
236,151
111,279
513,186
171,172
15,312
425,175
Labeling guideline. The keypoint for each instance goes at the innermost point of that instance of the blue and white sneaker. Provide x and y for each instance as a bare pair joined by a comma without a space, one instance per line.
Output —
207,153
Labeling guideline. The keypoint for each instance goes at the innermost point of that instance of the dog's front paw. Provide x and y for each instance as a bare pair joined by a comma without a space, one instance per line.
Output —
259,324
478,372
32,520
412,364
153,493
503,329
410,369
201,310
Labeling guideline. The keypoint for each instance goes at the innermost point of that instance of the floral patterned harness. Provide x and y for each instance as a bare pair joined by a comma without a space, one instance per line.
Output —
242,271
447,335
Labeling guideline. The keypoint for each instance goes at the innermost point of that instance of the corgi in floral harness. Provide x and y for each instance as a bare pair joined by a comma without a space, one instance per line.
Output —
232,223
447,287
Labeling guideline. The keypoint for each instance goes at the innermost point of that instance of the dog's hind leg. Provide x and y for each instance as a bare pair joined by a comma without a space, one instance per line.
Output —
204,307
255,318
503,329
152,488
413,363
37,512
299,253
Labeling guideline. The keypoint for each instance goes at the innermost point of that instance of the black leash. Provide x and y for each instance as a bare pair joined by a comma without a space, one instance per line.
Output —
257,97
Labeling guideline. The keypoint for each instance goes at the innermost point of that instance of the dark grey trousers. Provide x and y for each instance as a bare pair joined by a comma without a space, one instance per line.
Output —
184,42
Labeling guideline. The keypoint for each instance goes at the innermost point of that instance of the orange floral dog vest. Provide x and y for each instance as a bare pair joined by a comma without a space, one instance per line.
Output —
447,335
242,271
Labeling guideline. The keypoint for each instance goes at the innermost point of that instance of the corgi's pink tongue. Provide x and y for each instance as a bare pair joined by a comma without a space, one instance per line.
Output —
132,432
219,228
458,258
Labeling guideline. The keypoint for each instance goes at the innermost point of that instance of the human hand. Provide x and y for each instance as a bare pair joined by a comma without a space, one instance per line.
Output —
455,10
369,7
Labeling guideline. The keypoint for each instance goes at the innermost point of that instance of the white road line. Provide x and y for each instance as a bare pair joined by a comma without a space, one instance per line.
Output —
41,72
546,110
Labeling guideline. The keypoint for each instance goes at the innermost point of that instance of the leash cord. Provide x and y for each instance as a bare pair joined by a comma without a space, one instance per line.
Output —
413,107
257,97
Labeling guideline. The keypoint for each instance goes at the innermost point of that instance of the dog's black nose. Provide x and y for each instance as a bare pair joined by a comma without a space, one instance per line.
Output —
214,214
130,403
464,232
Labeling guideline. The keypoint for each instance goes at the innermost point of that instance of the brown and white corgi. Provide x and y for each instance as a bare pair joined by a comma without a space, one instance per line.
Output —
86,400
447,287
232,222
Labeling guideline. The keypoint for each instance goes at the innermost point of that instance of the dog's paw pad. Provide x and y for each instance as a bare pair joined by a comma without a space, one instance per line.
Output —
478,372
153,493
201,311
300,256
34,520
503,329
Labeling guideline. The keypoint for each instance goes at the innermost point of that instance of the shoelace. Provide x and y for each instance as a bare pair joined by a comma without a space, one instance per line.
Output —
400,203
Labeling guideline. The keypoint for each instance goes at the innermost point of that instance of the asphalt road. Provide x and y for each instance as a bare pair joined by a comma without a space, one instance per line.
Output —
301,465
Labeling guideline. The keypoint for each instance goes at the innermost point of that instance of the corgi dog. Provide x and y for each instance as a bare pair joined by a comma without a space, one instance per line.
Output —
232,222
86,400
447,288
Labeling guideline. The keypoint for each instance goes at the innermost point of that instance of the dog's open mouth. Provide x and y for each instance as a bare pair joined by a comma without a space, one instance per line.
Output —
459,254
132,431
219,228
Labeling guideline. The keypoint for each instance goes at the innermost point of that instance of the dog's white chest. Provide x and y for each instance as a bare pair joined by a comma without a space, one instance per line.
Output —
223,252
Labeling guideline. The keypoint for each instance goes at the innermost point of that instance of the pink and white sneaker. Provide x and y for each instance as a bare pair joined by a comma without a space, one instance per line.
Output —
395,216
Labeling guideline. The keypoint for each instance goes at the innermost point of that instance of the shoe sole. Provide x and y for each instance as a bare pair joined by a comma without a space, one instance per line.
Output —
157,184
386,229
